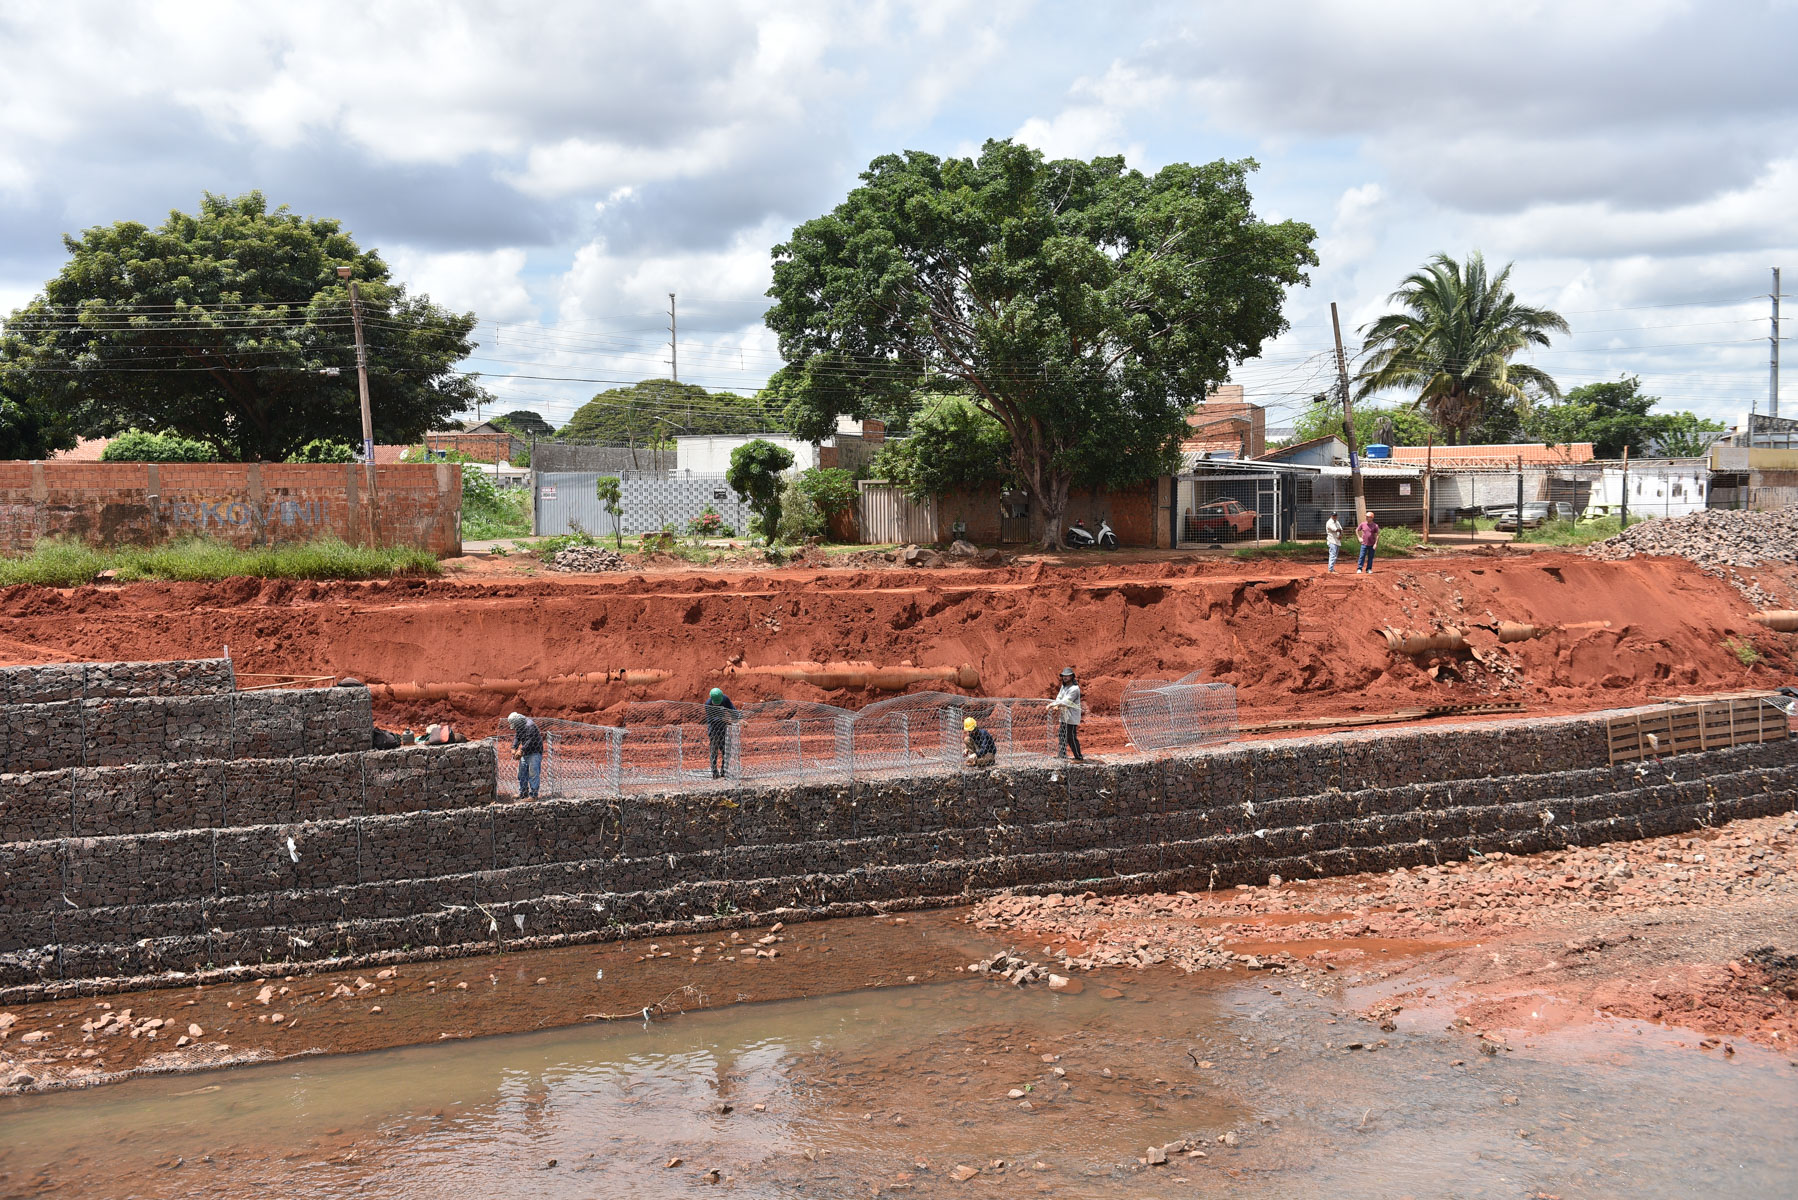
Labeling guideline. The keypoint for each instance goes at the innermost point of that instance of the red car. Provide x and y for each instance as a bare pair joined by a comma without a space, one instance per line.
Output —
1220,519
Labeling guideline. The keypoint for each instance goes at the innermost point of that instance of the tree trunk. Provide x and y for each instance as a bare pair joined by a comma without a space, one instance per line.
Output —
1052,494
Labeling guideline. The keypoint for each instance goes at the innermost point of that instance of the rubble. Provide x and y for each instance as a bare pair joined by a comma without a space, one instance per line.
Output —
1714,539
588,558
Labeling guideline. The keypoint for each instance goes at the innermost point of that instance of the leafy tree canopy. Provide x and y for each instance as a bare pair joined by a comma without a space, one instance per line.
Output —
30,429
1617,414
218,326
1082,305
1401,425
831,490
654,410
755,470
524,423
134,445
1452,342
954,443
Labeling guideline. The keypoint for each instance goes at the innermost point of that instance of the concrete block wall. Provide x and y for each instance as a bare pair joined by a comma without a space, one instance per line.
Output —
396,876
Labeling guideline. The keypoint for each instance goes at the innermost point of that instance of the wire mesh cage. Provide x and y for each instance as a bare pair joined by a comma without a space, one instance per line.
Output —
675,744
906,735
791,740
1161,714
580,761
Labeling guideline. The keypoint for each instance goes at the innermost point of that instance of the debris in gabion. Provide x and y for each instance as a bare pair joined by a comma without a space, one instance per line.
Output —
588,558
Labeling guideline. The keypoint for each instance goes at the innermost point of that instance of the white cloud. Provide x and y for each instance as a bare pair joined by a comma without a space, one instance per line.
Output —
490,283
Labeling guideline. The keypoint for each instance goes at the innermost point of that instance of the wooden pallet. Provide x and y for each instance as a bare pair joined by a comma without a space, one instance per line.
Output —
1684,728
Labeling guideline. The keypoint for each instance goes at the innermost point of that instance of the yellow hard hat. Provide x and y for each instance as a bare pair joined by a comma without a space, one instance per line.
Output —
970,723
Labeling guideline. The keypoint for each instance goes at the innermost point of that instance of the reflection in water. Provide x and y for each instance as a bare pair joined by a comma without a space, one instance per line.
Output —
900,1086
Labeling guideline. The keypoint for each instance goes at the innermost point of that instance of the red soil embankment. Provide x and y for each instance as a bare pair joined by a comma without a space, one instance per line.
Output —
1295,641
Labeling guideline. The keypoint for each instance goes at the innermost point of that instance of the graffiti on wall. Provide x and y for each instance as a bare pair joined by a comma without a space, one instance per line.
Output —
226,512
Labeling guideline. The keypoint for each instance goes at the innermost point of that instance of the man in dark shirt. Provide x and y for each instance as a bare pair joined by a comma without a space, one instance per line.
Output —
527,743
977,746
719,713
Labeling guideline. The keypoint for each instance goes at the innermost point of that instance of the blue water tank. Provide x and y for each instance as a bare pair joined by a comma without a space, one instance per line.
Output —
1376,450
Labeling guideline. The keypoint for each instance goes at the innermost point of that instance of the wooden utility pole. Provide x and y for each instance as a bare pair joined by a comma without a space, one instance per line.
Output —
1429,456
373,507
1348,421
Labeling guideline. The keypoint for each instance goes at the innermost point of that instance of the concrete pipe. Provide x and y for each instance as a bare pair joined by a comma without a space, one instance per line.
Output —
511,687
1517,631
1779,620
863,675
1442,642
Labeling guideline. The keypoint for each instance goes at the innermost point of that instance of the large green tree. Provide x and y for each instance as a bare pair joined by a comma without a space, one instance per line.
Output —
1452,343
30,429
1082,305
231,326
654,410
1617,414
525,423
1397,425
953,444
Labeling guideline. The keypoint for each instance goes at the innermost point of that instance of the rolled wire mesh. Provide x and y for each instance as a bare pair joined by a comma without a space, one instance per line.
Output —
580,761
791,740
1163,714
906,735
674,744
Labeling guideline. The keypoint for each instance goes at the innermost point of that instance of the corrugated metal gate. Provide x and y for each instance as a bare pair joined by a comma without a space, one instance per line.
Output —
889,518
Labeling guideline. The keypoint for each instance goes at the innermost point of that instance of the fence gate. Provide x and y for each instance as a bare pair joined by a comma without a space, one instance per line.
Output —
889,518
566,499
1228,506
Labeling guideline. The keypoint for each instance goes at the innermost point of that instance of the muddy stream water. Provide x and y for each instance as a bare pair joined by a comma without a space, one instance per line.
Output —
888,1091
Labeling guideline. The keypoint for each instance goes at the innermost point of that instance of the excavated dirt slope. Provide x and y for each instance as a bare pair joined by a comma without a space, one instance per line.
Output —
1295,641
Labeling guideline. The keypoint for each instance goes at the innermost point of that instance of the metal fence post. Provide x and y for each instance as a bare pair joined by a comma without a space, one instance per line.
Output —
905,733
680,757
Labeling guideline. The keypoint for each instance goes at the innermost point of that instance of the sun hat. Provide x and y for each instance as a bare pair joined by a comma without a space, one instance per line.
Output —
1067,672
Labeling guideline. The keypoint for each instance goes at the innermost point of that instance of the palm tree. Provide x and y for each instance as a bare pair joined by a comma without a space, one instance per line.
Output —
1453,343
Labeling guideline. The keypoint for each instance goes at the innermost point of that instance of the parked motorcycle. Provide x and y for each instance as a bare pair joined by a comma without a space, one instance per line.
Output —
1082,538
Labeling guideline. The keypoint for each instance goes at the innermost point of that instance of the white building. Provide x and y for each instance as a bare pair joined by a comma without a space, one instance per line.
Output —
709,454
1658,487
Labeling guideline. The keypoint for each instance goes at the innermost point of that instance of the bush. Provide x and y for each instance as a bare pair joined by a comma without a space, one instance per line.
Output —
323,450
134,445
488,510
755,474
830,489
799,517
708,524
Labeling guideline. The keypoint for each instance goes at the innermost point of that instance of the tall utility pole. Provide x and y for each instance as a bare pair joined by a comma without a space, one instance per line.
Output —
1348,421
368,421
674,342
1773,362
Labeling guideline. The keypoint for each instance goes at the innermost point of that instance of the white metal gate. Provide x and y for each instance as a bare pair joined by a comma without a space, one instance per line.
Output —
888,517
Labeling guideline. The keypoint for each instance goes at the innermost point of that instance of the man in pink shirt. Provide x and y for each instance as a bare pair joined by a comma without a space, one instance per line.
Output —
1369,533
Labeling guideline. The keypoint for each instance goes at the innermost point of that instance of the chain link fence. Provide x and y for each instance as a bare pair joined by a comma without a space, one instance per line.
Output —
679,745
579,761
1162,714
787,739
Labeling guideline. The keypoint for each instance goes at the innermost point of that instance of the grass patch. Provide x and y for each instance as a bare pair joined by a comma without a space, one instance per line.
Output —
1572,533
1283,550
1744,650
65,563
496,513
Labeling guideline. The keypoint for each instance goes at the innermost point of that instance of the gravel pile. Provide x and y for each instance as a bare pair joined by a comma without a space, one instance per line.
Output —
1714,538
588,558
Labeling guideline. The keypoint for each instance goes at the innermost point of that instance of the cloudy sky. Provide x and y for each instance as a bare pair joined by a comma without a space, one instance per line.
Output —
561,167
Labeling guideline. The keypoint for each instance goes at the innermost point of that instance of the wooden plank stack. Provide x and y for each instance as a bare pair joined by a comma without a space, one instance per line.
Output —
1684,728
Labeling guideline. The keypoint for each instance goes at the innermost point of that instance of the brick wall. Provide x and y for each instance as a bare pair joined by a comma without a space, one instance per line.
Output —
1131,511
391,852
418,504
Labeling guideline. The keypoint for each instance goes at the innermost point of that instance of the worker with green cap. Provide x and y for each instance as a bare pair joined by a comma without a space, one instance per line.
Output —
717,705
977,747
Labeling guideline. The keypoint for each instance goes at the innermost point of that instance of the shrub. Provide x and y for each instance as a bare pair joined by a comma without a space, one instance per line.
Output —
134,445
799,517
323,450
755,474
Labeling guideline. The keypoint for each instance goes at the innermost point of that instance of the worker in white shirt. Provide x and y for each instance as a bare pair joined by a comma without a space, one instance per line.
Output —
1067,705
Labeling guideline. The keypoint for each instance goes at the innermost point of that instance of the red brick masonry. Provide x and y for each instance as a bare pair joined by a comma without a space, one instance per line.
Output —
246,504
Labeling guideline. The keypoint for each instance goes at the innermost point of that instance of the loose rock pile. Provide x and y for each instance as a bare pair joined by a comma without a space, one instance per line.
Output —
588,558
1714,538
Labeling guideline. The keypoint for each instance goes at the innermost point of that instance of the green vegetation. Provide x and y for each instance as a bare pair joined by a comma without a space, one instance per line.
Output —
1402,425
58,562
1572,533
31,427
321,450
1081,305
490,512
525,423
134,445
755,474
655,410
1744,650
954,443
1616,415
1452,342
253,294
611,494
